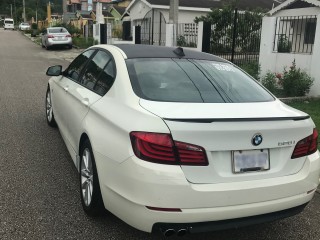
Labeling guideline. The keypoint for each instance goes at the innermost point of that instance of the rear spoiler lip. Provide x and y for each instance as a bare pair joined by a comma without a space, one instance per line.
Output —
211,120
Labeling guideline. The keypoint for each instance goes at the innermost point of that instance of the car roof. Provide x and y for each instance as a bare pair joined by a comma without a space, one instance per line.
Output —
56,28
151,51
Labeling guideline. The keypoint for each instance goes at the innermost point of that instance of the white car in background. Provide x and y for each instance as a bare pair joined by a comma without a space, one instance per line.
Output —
8,23
24,26
56,36
177,141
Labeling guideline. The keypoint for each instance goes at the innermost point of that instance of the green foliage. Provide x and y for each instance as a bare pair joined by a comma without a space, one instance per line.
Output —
270,82
252,68
248,28
34,26
292,83
181,41
71,29
296,82
284,45
81,42
31,7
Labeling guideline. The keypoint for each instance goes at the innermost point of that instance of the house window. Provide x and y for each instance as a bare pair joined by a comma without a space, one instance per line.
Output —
295,34
310,32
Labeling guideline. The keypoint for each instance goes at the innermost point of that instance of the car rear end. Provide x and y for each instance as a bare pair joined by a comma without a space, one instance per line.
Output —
58,37
226,154
8,24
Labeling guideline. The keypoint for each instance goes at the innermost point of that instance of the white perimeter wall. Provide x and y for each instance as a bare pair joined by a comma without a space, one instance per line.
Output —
139,10
275,62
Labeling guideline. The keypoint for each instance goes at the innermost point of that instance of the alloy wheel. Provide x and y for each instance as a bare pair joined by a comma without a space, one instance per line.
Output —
49,106
86,177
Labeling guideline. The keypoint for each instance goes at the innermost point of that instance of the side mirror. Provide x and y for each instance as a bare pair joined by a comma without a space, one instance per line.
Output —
54,70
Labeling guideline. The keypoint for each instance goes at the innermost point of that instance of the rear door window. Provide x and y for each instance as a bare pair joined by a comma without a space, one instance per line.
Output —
184,80
74,70
94,68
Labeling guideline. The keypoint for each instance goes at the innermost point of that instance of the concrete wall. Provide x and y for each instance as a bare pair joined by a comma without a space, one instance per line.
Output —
273,61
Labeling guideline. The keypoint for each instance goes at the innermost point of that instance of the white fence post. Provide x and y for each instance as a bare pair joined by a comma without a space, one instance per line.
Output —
266,45
169,35
200,36
315,70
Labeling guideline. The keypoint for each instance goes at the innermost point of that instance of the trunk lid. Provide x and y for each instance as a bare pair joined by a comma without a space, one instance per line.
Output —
224,129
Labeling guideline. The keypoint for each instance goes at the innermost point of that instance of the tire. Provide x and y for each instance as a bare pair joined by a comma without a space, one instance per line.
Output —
90,193
70,46
49,110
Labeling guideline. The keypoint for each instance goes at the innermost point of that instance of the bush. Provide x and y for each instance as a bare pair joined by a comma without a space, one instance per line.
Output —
270,82
181,41
81,42
292,83
296,82
284,45
252,69
34,26
74,31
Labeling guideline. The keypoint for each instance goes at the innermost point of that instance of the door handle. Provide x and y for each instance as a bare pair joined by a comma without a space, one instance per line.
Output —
66,88
85,102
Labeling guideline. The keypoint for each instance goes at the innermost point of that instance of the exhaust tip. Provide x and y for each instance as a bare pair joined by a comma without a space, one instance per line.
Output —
169,232
182,232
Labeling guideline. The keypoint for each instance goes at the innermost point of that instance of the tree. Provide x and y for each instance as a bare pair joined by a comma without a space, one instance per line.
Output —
247,33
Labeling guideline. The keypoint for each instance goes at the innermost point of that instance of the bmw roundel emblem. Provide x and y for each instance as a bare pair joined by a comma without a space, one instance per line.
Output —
257,139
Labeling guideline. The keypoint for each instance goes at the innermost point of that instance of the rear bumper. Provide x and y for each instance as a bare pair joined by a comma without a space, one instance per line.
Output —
129,187
199,227
57,43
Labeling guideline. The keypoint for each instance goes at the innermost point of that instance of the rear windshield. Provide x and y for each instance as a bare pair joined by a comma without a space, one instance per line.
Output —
8,22
189,80
57,30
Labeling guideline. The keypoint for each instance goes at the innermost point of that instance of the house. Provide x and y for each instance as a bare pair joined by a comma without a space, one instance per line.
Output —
188,9
289,33
73,5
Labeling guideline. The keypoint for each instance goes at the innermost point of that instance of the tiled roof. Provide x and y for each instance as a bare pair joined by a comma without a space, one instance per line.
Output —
242,4
120,10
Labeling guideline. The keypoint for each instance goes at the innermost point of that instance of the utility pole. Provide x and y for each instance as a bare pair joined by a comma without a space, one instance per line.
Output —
24,11
64,9
37,11
173,18
11,10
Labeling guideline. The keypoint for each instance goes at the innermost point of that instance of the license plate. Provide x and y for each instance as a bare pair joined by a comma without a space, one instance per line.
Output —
250,161
59,38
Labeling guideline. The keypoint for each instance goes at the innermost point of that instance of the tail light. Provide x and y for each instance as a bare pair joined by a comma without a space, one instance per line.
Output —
160,148
68,35
50,36
306,146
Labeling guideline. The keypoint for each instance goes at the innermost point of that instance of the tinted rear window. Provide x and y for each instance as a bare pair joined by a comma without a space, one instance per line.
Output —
8,22
57,30
188,80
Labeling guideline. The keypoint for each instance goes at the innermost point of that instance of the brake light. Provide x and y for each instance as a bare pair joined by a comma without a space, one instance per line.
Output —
50,36
306,146
160,148
68,35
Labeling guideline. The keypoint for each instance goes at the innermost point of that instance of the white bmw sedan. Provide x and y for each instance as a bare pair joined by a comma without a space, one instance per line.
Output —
177,141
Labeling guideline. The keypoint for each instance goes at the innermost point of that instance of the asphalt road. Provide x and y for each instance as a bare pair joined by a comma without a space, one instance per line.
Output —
39,193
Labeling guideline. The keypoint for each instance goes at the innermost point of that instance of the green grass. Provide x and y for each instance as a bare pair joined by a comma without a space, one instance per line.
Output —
310,106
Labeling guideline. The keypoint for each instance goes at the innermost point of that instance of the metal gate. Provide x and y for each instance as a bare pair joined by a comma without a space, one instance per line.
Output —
153,28
236,37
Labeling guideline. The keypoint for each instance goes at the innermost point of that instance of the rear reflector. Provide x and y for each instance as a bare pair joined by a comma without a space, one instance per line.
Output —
306,146
160,148
164,209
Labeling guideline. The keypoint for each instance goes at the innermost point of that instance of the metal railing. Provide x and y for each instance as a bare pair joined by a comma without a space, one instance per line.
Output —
295,34
236,37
